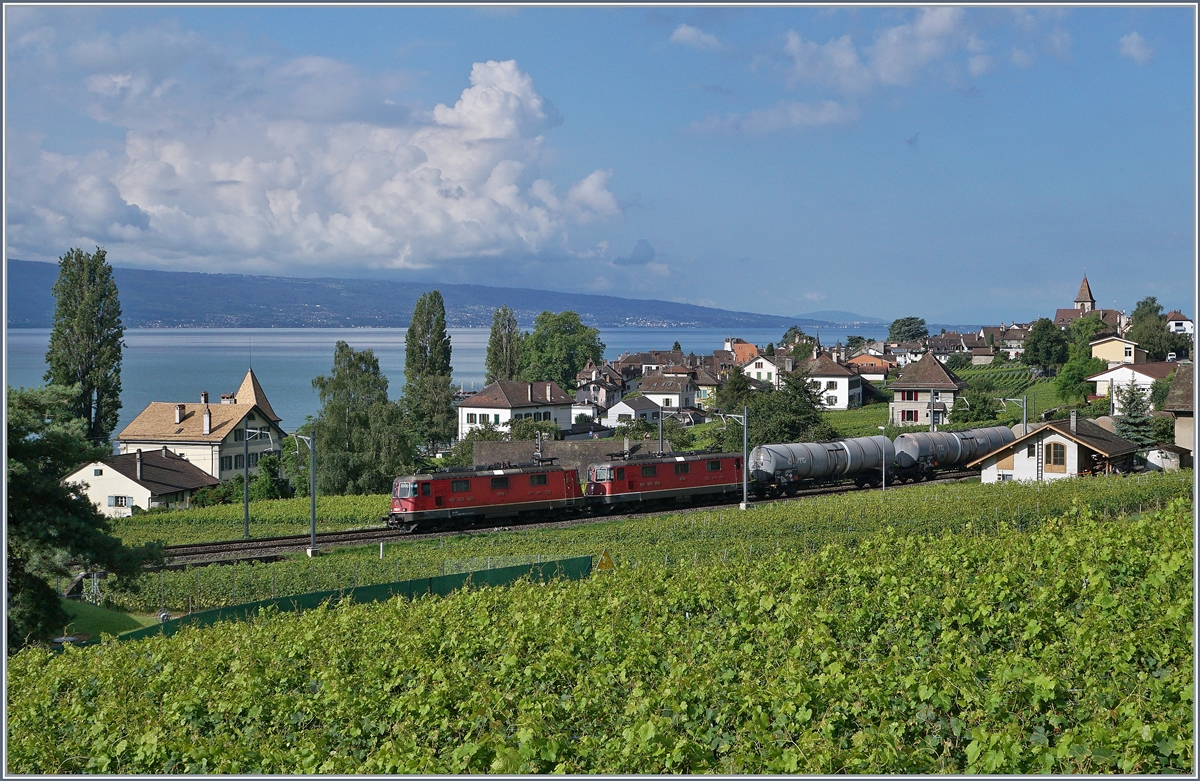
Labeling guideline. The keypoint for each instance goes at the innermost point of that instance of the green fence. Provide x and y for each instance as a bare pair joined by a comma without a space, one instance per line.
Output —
572,569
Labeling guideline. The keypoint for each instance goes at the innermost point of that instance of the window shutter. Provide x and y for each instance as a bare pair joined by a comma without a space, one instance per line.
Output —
112,501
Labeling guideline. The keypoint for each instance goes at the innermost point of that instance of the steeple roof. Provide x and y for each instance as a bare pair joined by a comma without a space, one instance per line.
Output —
1085,293
251,393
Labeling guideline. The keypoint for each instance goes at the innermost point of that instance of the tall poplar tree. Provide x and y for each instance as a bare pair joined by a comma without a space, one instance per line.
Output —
85,340
428,392
504,347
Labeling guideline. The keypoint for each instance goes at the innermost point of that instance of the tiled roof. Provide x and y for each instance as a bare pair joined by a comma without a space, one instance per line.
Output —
1175,314
1086,433
637,403
162,474
821,365
705,379
656,383
510,394
1085,292
928,374
251,393
1179,397
156,423
1156,371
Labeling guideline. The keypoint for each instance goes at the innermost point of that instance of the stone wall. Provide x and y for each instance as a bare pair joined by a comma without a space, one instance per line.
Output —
574,454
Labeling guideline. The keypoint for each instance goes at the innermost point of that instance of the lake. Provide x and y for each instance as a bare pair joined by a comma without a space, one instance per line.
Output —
176,364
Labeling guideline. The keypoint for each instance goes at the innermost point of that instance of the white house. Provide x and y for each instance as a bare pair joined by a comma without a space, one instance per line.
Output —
669,392
1057,450
1143,374
506,400
158,478
768,368
637,408
1179,323
840,388
214,437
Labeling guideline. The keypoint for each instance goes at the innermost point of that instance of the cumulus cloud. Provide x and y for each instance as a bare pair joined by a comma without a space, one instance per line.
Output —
1135,48
686,35
782,117
642,254
262,163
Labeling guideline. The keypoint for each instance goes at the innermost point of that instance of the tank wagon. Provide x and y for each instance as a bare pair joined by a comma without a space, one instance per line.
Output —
785,469
926,451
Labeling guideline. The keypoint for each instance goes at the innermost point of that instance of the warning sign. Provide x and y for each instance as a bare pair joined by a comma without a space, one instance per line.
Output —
606,562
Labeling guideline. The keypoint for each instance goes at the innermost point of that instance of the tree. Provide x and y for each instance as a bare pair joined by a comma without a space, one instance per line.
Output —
504,353
793,413
362,438
269,483
958,361
980,407
792,335
525,429
463,452
429,404
559,347
1080,333
1071,383
1159,389
85,340
734,393
854,342
907,329
676,346
1045,346
426,343
770,351
51,524
1148,327
1134,422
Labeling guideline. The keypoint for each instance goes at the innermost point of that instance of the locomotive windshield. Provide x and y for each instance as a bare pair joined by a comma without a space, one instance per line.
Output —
601,474
406,490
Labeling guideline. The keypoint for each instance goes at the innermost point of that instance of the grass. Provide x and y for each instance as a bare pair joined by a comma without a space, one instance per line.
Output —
87,619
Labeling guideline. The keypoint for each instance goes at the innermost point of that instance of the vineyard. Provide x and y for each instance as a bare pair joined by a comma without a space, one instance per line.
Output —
1007,379
698,538
1064,649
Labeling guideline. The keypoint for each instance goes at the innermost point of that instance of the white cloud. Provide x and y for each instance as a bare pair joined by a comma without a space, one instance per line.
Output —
686,35
979,64
835,63
784,116
273,164
1022,58
1134,47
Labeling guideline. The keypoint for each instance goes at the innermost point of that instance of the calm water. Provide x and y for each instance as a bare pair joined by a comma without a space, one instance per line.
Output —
176,364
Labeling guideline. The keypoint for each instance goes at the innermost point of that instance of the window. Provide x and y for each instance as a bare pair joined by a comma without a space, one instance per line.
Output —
830,401
666,402
537,479
120,501
758,365
622,416
253,460
97,472
831,385
499,483
459,486
239,434
758,375
937,395
1128,351
681,468
1056,454
471,417
620,473
650,470
250,416
226,463
497,418
908,416
712,466
768,376
424,489
908,396
239,461
1029,451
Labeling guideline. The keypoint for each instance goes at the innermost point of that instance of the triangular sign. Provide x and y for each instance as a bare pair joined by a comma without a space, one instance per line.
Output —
606,562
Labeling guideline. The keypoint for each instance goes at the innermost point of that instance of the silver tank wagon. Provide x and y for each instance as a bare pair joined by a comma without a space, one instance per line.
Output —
784,464
949,448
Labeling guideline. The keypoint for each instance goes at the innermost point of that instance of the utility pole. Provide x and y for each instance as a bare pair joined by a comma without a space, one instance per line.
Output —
1024,402
311,441
246,476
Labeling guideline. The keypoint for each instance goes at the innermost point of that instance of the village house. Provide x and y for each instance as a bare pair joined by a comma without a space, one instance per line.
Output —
507,400
706,389
1085,303
637,408
669,393
982,356
768,368
925,386
158,478
873,368
741,349
601,386
953,343
220,439
1179,323
1179,404
1119,376
905,353
1117,350
1007,338
840,387
1057,450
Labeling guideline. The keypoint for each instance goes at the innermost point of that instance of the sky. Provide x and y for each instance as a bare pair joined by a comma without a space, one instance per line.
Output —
957,164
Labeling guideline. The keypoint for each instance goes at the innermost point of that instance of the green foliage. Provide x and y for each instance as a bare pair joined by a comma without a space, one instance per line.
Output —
362,438
1071,382
504,351
1045,346
428,405
958,362
770,350
1163,428
802,352
635,430
734,393
463,452
676,345
854,342
792,335
723,643
426,343
225,492
791,414
49,524
1148,327
1080,334
980,407
907,329
85,340
1134,423
525,429
1159,390
559,347
269,483
583,417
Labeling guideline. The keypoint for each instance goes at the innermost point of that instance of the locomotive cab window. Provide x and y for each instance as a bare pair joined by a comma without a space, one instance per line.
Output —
620,473
425,489
713,466
681,469
406,490
499,483
537,479
650,470
458,486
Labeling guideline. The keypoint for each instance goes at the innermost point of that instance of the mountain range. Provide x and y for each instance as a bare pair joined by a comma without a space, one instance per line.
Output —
174,299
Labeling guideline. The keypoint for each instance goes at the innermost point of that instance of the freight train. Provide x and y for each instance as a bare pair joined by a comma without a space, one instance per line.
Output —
466,496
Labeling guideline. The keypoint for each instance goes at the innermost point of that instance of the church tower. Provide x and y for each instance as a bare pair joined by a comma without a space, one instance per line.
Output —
1084,301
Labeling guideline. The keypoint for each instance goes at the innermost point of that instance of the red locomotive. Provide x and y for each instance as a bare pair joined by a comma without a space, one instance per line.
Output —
678,478
457,497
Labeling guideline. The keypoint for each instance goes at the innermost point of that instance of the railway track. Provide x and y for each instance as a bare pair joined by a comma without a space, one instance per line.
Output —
259,546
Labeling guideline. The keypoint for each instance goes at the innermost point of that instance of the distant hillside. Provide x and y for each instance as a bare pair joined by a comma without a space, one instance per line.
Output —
838,316
172,299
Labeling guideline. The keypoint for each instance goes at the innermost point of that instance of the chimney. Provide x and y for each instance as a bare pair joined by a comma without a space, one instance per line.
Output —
164,451
207,421
139,464
203,397
178,414
1074,420
547,392
531,391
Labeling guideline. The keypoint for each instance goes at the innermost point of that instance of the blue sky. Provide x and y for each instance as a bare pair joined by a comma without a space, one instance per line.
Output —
963,165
